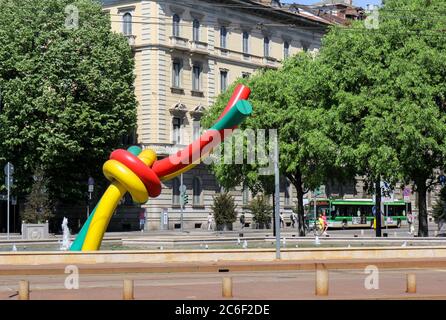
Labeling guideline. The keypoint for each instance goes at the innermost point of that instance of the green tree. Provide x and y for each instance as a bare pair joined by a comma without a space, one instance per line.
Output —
224,209
295,101
38,206
388,87
261,210
67,92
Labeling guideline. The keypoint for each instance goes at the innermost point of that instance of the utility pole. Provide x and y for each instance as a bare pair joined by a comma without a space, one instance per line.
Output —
9,171
183,199
277,196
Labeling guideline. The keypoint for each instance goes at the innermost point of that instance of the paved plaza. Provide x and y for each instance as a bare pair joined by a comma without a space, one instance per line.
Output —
289,285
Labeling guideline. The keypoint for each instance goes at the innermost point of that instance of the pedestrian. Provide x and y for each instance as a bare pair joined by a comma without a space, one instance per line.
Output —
282,223
242,221
142,219
293,219
210,221
410,221
324,223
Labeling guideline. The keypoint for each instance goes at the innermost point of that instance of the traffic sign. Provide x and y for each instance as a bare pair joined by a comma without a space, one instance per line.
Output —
406,194
9,169
183,188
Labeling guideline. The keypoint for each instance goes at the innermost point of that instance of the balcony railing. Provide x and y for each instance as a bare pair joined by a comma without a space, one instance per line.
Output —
179,42
131,39
199,47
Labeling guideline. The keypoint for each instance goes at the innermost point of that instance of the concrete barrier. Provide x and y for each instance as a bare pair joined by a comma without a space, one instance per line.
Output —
232,255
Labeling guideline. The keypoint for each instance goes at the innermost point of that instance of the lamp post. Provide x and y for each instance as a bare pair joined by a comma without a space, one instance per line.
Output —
9,171
90,191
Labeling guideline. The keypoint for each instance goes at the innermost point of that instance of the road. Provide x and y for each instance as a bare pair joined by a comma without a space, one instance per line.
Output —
343,284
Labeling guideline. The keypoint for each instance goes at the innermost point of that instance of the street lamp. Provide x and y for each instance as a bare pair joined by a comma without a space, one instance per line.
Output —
90,191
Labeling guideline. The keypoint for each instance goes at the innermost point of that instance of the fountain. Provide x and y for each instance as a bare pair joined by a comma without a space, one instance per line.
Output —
66,242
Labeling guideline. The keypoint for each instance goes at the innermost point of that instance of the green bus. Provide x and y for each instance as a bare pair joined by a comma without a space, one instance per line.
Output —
357,213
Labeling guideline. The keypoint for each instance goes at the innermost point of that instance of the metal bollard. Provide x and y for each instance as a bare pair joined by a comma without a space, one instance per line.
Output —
411,283
227,287
321,280
128,290
23,290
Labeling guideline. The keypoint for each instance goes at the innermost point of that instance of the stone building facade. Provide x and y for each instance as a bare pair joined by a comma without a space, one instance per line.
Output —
186,54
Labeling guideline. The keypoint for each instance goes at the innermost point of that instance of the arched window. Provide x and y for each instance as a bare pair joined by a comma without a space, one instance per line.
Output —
266,47
176,25
287,193
245,42
127,24
197,189
176,192
196,30
223,35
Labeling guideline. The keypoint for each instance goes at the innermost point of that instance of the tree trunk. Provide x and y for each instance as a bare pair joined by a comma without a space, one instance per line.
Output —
300,205
423,230
378,207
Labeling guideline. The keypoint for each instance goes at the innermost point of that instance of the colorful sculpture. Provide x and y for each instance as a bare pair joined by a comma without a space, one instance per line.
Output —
140,173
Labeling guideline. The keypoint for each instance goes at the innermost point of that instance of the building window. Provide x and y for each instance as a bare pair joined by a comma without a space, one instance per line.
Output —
176,192
245,195
197,189
127,24
287,193
196,75
223,35
286,49
266,47
176,129
196,30
245,42
196,129
176,25
176,74
223,80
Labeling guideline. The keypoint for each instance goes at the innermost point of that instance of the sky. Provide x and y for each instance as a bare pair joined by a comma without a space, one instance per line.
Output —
359,3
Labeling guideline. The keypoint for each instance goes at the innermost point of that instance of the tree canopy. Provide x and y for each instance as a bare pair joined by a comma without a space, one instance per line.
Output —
292,100
390,94
66,87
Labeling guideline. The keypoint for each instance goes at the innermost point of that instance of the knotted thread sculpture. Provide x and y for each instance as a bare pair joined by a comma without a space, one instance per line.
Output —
139,172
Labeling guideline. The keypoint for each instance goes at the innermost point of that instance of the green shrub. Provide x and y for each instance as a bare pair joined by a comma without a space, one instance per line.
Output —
37,206
261,210
224,209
